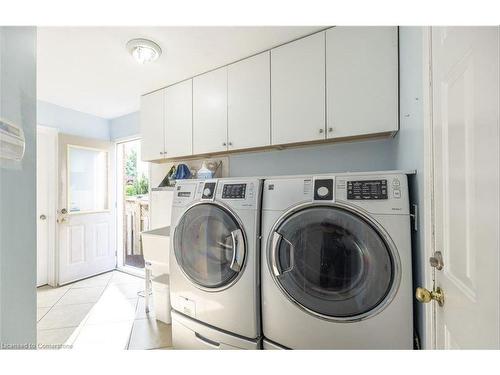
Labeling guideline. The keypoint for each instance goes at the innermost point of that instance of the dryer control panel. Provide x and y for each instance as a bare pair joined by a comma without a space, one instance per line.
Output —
234,191
366,189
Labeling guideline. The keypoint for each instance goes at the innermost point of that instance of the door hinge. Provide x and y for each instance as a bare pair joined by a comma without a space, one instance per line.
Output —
414,217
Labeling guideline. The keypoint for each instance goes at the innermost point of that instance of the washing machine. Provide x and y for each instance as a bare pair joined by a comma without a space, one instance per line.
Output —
214,267
336,262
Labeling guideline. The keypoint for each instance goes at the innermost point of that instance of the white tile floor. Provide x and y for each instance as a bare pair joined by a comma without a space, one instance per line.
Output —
102,312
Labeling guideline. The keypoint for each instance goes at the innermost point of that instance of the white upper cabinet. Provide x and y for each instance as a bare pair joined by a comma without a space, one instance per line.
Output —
152,125
249,102
361,80
210,112
298,91
179,119
338,83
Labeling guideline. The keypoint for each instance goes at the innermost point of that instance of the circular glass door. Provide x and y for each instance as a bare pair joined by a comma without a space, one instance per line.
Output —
332,262
209,246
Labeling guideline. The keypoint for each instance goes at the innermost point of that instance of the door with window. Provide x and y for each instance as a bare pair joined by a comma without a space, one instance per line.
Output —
86,225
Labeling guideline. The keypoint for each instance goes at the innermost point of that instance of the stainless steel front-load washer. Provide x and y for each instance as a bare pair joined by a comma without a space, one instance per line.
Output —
214,267
336,262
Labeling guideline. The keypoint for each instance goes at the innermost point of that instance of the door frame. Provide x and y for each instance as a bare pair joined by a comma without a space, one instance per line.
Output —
428,273
120,265
52,251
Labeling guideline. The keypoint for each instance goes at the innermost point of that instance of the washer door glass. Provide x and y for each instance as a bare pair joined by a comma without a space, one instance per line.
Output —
332,262
206,242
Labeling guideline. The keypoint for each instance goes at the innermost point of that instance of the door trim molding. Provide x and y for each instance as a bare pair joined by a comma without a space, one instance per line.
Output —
429,328
52,251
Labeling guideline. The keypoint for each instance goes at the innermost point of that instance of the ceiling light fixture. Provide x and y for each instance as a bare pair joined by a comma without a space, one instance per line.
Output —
143,50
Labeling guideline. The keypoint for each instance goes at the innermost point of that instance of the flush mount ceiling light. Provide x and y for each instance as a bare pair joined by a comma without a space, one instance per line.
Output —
143,50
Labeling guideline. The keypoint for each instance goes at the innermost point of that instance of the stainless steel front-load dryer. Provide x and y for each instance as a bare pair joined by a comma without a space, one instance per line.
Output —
336,262
214,267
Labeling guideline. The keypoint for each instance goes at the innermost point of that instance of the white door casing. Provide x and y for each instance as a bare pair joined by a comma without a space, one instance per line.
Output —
46,204
87,240
465,92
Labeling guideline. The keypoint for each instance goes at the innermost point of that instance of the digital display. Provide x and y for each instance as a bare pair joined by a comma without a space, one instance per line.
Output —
366,190
234,191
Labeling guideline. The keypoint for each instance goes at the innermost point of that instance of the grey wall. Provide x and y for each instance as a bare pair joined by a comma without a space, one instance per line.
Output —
72,122
17,190
124,126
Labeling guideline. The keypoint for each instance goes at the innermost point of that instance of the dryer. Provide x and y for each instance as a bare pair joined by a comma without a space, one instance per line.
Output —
214,267
336,262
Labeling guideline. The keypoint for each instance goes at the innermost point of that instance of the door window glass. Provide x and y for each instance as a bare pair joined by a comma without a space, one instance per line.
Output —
87,179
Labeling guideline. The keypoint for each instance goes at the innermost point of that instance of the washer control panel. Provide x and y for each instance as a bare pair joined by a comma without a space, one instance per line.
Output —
234,191
367,190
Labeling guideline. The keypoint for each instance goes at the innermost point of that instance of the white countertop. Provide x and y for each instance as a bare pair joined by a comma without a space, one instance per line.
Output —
163,231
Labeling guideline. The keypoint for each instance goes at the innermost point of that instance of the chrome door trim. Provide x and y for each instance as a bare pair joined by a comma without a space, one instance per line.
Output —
243,237
276,241
238,250
376,226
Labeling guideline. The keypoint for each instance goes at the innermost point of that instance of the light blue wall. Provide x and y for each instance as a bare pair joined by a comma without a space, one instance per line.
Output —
124,126
72,122
337,157
409,143
17,190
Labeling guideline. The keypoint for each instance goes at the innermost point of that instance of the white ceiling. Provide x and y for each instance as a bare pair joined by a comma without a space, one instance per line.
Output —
88,68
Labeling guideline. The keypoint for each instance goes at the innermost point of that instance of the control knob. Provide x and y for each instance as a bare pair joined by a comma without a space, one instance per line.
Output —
323,191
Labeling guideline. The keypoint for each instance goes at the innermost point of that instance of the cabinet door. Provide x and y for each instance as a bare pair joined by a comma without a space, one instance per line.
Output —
210,112
152,125
179,119
249,98
298,90
362,80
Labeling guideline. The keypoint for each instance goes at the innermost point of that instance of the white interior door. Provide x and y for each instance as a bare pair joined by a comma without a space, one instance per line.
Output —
87,243
46,203
465,71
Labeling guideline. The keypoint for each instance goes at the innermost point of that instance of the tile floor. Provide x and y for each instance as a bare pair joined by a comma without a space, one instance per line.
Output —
102,312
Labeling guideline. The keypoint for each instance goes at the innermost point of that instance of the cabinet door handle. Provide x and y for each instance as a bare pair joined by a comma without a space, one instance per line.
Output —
230,143
321,131
224,144
330,130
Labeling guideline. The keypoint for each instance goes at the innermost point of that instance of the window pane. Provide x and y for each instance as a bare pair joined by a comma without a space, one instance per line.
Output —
88,179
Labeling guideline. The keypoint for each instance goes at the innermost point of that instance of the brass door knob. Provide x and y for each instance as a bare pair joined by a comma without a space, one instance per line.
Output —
425,296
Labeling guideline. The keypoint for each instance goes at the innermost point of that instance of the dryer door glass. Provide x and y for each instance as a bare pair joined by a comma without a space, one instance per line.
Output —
332,262
205,245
